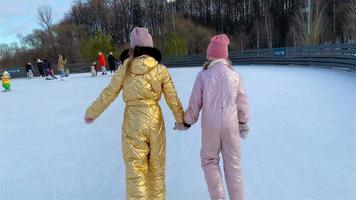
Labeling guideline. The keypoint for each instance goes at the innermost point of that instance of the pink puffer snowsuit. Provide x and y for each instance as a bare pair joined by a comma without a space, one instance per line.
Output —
219,92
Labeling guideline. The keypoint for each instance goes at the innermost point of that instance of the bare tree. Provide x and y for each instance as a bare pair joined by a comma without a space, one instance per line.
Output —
45,16
5,51
350,23
318,26
268,24
319,22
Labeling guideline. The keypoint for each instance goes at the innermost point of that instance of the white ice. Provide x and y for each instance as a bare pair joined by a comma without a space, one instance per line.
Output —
302,143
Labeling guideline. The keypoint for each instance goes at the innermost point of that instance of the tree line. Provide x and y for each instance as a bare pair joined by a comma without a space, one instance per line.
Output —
182,27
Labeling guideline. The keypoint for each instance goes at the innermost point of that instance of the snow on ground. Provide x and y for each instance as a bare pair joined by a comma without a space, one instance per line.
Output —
301,146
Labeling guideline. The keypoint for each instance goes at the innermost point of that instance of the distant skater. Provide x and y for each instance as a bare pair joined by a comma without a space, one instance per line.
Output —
41,66
61,63
93,69
29,70
102,63
48,68
112,63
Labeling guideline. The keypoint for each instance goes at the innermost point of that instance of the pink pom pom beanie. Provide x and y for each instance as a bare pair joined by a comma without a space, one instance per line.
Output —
218,47
140,37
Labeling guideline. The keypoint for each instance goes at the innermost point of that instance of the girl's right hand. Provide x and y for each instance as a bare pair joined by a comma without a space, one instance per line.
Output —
88,120
180,127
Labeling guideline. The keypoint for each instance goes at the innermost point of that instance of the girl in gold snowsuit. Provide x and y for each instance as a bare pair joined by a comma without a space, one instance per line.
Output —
143,79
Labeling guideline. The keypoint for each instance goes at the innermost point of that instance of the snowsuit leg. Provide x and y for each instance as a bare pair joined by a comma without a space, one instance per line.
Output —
103,70
143,143
41,72
232,168
157,156
135,150
61,71
211,145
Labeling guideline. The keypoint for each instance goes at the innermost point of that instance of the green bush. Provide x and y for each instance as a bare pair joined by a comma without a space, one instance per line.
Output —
175,45
102,42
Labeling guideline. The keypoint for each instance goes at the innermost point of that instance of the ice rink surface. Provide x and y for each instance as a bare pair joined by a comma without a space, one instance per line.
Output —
302,143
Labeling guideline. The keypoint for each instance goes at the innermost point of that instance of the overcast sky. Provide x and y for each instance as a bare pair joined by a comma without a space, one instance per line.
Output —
20,16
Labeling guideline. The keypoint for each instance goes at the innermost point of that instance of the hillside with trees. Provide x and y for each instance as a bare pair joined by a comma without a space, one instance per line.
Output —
182,27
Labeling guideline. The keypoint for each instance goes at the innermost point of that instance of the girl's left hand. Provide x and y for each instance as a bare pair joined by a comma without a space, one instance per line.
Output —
244,130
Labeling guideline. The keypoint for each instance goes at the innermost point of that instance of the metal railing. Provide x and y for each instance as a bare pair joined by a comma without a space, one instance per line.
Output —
338,56
341,56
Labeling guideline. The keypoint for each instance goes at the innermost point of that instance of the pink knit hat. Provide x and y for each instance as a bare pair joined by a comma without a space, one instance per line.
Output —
140,37
218,47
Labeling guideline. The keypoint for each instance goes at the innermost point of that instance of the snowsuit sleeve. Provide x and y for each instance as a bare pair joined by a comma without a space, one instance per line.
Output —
61,63
101,60
242,105
108,95
195,103
170,94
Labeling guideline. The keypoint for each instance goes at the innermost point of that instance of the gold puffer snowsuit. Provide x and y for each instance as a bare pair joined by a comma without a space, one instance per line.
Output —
143,132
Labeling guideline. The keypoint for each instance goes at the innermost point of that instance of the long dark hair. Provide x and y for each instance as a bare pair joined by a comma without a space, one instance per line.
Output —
129,63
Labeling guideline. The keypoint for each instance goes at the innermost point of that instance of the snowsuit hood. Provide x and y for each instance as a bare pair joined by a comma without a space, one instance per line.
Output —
139,51
143,65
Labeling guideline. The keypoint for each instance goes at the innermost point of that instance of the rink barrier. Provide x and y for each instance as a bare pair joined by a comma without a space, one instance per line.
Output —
341,56
332,56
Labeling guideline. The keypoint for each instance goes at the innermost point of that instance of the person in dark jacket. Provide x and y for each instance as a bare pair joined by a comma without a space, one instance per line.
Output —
29,70
112,62
40,66
49,75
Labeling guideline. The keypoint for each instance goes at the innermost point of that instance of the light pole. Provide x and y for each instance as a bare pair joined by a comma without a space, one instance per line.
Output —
307,10
309,21
334,20
174,25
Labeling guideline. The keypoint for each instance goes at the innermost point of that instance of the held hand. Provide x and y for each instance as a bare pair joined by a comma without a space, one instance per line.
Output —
244,130
180,127
88,120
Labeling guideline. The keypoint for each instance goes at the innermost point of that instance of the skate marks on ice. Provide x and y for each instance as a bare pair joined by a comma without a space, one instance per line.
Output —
300,147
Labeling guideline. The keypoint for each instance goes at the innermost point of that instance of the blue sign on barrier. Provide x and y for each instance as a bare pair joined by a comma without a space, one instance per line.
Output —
279,52
14,70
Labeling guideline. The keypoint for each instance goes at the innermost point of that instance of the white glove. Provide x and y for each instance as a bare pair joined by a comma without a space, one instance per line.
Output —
180,127
244,130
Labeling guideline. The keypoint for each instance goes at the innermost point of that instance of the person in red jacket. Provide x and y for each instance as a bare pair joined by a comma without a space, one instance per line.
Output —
102,63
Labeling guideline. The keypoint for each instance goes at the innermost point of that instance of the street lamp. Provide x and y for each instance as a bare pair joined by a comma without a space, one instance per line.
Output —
174,25
309,21
308,11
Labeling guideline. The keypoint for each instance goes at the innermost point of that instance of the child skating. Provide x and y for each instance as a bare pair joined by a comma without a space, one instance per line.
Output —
143,80
60,65
6,81
112,63
219,93
29,70
93,69
49,70
102,62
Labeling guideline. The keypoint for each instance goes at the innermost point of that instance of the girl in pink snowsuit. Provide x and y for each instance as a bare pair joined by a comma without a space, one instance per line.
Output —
219,92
